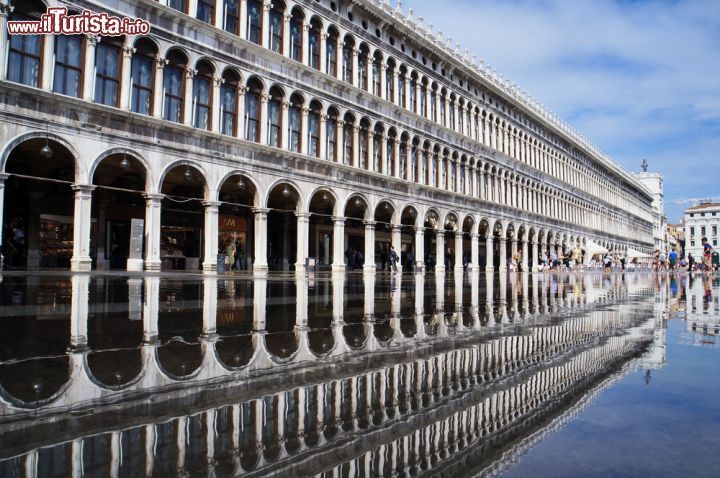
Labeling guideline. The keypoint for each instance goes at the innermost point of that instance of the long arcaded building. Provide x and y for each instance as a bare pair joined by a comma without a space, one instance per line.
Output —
299,133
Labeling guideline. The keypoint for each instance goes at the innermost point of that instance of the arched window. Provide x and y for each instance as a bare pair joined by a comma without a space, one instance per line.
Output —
376,149
331,133
24,54
331,44
433,103
252,110
390,158
404,156
314,44
362,68
423,98
276,22
295,123
173,85
390,81
107,70
229,103
68,64
142,77
348,139
451,112
363,140
348,59
206,10
274,123
461,117
313,139
296,35
401,87
232,16
434,171
376,80
202,96
414,169
254,21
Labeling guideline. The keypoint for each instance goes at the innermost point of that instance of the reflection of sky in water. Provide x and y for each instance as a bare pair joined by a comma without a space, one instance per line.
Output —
667,427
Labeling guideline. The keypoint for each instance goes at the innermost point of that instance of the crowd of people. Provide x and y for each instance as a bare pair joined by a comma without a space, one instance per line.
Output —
708,264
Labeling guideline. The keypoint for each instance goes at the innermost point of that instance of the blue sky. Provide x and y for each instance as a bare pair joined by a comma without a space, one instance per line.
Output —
640,79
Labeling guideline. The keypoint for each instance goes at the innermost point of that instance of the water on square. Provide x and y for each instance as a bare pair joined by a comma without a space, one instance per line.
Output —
345,375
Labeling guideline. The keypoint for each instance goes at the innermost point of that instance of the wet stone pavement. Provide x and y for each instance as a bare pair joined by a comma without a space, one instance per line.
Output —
344,375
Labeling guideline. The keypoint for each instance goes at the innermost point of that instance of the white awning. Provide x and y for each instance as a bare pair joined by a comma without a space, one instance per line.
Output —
593,249
633,254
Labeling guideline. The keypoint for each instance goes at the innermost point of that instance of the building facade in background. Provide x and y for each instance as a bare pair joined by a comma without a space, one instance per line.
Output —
654,183
701,221
305,133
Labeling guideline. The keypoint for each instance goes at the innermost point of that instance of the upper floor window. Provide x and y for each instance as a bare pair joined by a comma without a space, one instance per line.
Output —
142,77
331,132
331,53
401,88
295,123
276,22
252,111
348,60
179,5
24,53
296,36
313,139
423,100
390,82
314,45
68,64
274,122
173,85
202,96
232,16
413,94
206,10
254,21
107,68
362,69
229,103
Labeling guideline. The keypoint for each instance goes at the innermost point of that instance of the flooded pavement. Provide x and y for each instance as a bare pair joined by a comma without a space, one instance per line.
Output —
356,375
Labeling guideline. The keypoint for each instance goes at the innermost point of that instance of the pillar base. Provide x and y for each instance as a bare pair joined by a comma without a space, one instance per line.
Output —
260,269
439,269
135,265
459,269
81,264
502,269
338,268
153,265
78,346
489,268
209,268
369,268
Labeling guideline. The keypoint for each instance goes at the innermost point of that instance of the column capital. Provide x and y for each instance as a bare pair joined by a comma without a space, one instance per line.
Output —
160,63
337,220
6,9
218,81
260,210
3,177
92,39
83,188
369,223
211,204
190,73
153,197
458,233
302,216
128,51
396,227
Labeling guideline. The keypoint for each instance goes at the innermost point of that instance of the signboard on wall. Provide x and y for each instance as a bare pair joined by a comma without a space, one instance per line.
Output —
136,238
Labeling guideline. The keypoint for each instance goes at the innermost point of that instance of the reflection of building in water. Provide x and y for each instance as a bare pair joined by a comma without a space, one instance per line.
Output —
703,312
264,391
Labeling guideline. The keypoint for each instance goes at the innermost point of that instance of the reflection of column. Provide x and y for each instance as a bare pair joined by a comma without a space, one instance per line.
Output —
369,302
524,257
489,283
153,207
259,303
420,248
419,294
210,302
440,290
151,307
115,451
260,264
397,243
474,298
489,252
301,303
475,251
338,298
458,250
369,265
503,255
211,235
395,297
303,238
338,264
439,251
79,312
81,228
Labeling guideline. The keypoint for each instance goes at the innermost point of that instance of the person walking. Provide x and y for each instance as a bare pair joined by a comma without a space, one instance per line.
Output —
673,257
393,258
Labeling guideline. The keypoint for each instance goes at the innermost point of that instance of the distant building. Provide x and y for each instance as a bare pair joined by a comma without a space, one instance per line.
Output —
654,183
701,221
676,237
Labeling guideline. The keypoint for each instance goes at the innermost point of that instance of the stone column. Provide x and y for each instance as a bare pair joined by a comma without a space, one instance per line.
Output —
475,251
260,264
397,242
188,106
370,151
158,93
356,146
47,66
383,81
303,238
304,139
338,264
3,177
355,80
211,236
125,79
503,255
265,32
458,251
216,96
323,51
340,146
322,147
284,126
304,54
79,312
153,208
420,248
396,157
5,11
263,118
524,258
383,156
369,265
439,251
89,67
242,31
489,252
81,227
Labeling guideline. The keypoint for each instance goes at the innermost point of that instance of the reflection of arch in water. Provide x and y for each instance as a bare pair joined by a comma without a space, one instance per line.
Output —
282,346
179,360
114,369
321,342
356,336
235,352
408,327
18,381
383,332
